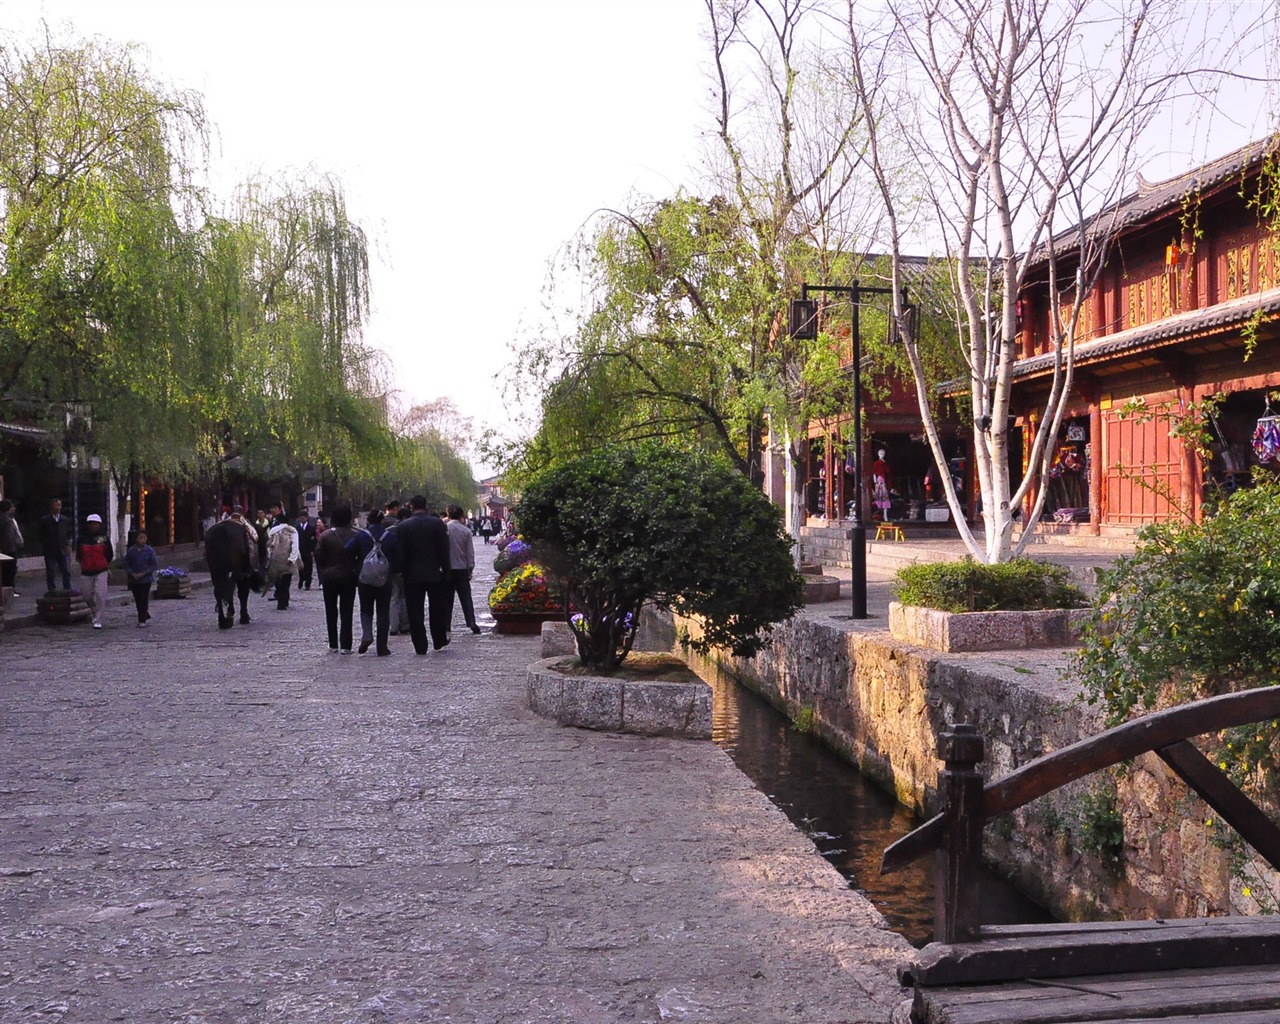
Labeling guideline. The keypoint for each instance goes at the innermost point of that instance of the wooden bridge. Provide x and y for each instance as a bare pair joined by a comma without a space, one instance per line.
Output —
1223,970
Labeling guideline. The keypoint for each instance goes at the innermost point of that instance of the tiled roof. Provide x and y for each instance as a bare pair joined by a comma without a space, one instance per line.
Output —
24,430
1152,199
1182,325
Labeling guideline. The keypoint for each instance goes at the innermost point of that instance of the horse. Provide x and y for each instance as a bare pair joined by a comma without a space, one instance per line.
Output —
232,565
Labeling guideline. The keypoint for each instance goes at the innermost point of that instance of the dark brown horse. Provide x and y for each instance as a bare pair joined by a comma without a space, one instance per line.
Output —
231,565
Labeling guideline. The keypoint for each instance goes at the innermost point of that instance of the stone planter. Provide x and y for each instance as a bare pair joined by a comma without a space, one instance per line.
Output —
818,589
62,607
523,623
172,587
650,707
957,632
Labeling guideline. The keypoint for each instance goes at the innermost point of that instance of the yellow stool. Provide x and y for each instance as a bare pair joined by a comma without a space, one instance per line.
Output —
889,531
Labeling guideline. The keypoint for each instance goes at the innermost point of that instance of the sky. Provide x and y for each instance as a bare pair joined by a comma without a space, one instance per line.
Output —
473,139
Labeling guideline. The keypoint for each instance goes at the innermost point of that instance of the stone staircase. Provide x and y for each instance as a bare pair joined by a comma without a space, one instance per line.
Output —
928,542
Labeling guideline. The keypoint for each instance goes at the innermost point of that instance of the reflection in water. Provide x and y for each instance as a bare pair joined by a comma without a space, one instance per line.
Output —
848,818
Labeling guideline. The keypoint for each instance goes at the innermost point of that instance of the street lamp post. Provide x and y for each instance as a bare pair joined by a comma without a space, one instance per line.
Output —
804,326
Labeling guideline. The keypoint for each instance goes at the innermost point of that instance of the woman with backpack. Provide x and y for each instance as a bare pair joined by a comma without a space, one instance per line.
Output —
373,582
338,572
94,555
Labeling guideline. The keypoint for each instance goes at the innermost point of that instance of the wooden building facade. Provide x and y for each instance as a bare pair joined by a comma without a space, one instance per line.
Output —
1187,308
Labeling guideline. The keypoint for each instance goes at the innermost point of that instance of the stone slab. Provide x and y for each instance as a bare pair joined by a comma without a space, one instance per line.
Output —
239,827
955,632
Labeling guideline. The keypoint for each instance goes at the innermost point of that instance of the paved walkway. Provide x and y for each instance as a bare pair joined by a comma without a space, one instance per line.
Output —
239,826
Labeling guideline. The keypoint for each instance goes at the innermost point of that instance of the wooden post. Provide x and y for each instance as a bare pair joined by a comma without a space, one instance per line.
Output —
956,912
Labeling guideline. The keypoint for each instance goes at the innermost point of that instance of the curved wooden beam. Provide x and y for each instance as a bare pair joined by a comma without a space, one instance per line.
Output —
1052,771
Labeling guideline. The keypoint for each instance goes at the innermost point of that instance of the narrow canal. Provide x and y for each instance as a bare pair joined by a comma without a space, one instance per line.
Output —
850,820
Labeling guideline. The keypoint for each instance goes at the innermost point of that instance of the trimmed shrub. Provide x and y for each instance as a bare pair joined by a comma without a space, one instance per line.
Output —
1020,585
629,525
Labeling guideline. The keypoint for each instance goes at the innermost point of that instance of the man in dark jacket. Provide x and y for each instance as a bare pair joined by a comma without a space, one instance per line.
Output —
419,547
307,537
54,534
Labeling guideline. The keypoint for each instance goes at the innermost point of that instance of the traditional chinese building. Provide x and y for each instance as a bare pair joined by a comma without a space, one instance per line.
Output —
1187,308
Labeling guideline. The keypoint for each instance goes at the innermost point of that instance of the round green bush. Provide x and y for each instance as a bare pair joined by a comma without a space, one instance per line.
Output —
629,525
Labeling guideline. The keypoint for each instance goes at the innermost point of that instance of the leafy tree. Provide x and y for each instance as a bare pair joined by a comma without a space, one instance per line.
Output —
310,385
1194,612
657,351
95,193
629,525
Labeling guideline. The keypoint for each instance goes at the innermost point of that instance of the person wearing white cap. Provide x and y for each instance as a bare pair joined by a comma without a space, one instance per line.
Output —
94,556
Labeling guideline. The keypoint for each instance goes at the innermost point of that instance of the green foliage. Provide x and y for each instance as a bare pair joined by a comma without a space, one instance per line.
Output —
635,524
1100,829
671,323
806,718
1022,584
184,337
1192,613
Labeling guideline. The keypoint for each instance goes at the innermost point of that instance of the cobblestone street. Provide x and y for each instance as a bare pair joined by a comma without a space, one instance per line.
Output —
206,826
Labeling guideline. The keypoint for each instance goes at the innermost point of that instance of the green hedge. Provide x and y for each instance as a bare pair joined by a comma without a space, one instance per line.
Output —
1022,585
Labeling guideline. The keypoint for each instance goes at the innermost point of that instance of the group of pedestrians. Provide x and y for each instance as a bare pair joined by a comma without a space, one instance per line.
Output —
410,550
404,569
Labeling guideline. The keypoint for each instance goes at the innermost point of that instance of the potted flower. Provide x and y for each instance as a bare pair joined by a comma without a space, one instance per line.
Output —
172,582
523,599
512,554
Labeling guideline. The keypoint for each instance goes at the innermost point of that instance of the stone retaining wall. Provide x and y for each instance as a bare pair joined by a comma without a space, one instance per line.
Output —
882,705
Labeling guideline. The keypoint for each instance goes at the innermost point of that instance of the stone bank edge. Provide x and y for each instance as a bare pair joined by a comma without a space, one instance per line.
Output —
882,703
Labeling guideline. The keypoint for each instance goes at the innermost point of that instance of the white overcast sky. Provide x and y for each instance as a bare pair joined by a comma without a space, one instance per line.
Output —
473,137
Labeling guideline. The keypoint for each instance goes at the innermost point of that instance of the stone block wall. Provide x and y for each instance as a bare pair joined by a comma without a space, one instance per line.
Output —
882,705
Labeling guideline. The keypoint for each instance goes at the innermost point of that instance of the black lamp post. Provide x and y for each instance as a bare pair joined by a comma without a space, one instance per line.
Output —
804,327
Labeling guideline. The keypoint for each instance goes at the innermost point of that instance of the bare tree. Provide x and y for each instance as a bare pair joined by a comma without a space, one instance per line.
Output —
1017,121
788,148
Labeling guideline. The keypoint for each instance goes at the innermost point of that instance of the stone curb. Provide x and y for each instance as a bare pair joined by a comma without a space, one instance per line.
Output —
646,708
957,632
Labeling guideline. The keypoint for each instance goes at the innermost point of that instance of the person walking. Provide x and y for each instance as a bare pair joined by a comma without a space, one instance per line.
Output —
53,531
420,547
282,557
399,613
140,563
94,555
375,598
261,524
337,568
307,538
486,528
10,544
462,563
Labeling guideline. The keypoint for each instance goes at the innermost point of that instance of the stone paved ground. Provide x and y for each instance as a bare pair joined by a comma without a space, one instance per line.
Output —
205,826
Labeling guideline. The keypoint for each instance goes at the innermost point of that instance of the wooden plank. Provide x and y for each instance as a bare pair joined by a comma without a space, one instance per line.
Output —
1012,931
1220,793
1210,942
1045,774
1221,994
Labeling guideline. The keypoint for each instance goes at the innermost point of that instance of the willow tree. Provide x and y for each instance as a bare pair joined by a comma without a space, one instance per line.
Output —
310,384
1031,123
656,350
96,158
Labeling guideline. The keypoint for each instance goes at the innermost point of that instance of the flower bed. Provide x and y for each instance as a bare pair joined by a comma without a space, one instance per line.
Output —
526,590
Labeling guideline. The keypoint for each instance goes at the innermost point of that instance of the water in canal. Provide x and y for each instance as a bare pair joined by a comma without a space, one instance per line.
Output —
848,818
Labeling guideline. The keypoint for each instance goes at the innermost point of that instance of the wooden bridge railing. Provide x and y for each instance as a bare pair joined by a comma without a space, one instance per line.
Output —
968,805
